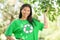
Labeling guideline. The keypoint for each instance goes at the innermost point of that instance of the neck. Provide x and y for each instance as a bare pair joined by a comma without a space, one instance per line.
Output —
24,18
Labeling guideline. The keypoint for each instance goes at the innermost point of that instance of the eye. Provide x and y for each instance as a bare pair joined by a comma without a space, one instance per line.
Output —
28,10
24,9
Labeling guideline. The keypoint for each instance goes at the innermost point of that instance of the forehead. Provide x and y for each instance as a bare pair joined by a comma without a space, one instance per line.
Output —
26,8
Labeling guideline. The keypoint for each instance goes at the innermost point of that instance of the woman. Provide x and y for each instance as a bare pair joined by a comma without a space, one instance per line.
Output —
26,27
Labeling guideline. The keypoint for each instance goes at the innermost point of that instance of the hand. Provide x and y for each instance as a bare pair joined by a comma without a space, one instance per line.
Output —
10,38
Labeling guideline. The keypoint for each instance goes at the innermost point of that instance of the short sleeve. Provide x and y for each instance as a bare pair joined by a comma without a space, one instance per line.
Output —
41,26
10,28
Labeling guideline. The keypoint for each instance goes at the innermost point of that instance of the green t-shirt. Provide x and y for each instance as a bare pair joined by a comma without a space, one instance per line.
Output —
24,30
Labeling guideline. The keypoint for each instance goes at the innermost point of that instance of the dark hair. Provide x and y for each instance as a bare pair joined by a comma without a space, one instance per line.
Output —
29,18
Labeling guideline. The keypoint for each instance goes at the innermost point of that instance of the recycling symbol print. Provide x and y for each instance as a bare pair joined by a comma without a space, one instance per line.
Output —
28,28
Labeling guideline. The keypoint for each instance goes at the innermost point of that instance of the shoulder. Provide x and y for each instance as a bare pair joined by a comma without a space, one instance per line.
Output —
34,19
37,21
14,20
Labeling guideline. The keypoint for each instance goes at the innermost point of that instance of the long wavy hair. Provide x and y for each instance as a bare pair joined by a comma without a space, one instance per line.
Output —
29,18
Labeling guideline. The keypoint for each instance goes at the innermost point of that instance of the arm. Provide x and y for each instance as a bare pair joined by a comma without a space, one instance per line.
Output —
9,30
45,18
45,21
9,38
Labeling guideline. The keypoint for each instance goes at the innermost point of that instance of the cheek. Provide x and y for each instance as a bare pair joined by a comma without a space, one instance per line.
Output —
28,12
23,11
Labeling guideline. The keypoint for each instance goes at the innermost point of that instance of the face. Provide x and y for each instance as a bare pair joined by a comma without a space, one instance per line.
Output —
25,12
